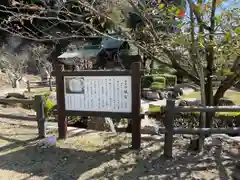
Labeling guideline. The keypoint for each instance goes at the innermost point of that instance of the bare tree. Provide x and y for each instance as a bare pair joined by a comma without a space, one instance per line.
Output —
151,31
39,55
14,65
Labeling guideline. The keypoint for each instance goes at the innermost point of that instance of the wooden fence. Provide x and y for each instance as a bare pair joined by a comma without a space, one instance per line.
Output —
169,130
39,84
38,105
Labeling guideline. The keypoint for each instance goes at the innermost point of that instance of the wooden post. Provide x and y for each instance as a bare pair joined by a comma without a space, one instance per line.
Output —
169,125
62,121
50,84
28,86
39,105
202,123
136,105
201,139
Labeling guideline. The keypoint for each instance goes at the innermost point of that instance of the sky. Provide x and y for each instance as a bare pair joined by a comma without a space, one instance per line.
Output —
226,4
232,3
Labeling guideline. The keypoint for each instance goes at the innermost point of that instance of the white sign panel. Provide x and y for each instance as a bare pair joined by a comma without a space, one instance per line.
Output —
98,93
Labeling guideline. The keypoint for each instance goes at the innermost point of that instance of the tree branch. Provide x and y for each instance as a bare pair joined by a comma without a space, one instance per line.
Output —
228,82
199,18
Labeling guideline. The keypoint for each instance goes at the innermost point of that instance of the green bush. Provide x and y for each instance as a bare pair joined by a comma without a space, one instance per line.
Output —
171,80
46,95
226,72
186,120
48,105
154,108
160,79
229,114
147,81
221,114
164,79
162,69
157,85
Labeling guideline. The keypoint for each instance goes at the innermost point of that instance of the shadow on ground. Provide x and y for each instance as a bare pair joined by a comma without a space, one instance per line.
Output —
111,162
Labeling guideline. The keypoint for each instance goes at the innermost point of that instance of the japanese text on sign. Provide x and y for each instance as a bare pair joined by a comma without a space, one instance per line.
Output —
98,93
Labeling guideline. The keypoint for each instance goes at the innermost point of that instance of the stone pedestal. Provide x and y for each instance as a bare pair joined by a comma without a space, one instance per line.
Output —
101,124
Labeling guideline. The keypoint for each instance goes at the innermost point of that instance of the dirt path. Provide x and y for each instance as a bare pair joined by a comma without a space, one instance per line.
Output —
4,92
95,155
89,155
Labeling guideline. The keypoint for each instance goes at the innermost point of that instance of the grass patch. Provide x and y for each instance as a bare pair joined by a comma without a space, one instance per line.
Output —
157,86
219,114
154,108
192,95
230,94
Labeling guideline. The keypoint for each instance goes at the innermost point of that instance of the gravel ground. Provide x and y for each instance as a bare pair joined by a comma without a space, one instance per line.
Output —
100,155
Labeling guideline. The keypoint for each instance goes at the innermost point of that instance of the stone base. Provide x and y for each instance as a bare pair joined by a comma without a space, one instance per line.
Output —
101,124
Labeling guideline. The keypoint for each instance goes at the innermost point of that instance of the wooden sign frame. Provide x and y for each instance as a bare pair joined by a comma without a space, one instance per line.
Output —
135,115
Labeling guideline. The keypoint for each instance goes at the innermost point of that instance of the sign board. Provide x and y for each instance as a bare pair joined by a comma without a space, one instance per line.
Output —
98,93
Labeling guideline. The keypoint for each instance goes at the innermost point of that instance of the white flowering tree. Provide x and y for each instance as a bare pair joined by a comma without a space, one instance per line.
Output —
13,65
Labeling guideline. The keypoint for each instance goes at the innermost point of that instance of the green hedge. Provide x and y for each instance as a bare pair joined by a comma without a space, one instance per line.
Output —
49,105
158,85
218,114
156,108
163,69
171,80
159,79
226,72
147,81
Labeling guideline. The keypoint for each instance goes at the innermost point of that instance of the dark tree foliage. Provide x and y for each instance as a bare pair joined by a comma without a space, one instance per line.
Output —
135,21
44,24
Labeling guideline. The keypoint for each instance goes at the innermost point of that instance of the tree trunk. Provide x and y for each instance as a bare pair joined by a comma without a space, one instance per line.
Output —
209,102
180,77
15,83
224,86
209,86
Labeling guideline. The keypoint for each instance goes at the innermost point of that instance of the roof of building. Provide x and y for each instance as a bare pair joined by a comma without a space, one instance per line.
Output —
86,52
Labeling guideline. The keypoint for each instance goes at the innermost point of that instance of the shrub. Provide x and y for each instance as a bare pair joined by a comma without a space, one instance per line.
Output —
163,69
46,95
160,79
147,81
186,120
226,72
171,80
166,79
154,108
157,85
49,106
